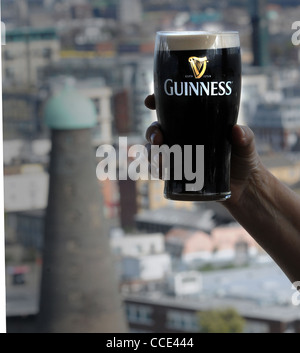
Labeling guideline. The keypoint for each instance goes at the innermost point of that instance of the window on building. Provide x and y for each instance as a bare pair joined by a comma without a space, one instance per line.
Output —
141,314
8,55
97,104
152,249
47,53
10,73
182,321
256,327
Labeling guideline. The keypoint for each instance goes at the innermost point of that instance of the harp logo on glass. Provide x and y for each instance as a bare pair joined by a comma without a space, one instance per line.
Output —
198,66
198,88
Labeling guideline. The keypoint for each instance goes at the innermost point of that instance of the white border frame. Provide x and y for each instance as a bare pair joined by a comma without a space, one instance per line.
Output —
2,248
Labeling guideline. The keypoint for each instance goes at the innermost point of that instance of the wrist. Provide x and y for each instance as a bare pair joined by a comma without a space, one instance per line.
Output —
255,208
253,189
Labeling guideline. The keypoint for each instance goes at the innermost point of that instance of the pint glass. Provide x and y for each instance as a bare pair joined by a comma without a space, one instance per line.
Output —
197,85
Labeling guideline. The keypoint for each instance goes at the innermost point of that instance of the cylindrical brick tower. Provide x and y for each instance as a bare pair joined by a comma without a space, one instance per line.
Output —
79,290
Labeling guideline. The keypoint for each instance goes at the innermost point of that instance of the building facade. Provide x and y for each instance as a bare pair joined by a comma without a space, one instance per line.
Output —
175,315
27,52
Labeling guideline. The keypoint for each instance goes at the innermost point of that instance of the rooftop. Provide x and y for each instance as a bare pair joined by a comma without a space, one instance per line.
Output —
179,218
257,292
30,33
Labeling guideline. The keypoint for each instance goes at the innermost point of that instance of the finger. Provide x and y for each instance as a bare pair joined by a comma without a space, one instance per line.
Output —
154,163
243,140
150,102
155,159
148,149
154,134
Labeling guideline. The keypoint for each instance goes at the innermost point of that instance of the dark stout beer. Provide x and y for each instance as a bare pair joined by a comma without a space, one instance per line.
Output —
197,77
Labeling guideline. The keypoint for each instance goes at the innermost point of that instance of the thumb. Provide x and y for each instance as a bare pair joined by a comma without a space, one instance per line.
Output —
244,158
243,141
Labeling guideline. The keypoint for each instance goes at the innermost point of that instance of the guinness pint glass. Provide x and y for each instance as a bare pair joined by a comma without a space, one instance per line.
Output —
197,80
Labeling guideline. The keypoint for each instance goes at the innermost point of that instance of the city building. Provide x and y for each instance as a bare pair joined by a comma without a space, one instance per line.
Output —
140,257
122,81
270,106
174,315
111,199
189,248
25,188
261,294
150,196
278,124
22,114
122,112
18,151
285,167
225,245
136,244
108,46
142,86
26,53
255,85
130,12
24,229
164,219
101,95
128,205
145,267
184,284
30,229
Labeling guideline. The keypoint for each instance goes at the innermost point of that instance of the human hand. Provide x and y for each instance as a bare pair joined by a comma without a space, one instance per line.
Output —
245,162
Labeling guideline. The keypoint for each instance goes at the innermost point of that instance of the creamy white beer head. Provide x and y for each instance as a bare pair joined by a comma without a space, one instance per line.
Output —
195,40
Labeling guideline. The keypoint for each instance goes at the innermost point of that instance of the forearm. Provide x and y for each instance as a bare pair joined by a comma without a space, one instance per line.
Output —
270,212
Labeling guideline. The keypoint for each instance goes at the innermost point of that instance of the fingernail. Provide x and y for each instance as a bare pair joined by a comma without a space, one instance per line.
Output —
152,137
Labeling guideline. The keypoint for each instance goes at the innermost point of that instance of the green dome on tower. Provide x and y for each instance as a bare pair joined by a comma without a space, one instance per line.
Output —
69,110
